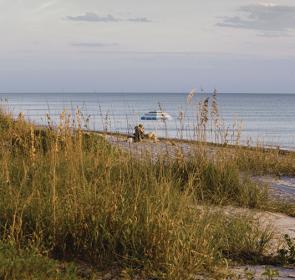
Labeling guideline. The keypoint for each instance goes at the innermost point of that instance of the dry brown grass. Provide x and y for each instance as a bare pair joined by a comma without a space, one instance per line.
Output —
69,194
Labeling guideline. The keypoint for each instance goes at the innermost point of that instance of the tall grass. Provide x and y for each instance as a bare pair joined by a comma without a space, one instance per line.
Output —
71,195
210,127
261,161
230,159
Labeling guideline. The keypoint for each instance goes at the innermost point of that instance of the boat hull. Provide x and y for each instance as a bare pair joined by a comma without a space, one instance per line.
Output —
144,118
156,116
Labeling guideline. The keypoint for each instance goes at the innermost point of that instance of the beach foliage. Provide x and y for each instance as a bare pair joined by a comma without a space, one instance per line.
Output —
70,195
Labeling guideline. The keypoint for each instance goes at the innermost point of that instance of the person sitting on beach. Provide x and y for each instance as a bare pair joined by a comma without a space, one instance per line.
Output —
139,133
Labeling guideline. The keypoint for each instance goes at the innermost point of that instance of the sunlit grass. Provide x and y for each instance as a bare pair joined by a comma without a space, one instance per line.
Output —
74,196
69,194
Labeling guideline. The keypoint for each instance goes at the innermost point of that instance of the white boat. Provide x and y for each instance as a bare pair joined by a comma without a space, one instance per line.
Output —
155,116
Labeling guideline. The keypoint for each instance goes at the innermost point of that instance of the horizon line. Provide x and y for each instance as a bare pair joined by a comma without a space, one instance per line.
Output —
139,92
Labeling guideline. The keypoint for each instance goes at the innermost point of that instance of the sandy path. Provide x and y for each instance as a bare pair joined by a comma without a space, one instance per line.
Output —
281,188
284,273
148,147
161,148
283,224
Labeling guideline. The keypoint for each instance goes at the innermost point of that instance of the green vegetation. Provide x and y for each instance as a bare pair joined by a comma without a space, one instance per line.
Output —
29,264
69,195
265,161
287,254
270,274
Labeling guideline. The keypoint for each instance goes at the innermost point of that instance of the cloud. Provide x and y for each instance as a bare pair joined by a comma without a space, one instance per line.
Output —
143,19
94,45
270,19
93,17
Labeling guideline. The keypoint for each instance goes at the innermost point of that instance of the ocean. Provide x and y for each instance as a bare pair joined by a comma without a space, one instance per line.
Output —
267,119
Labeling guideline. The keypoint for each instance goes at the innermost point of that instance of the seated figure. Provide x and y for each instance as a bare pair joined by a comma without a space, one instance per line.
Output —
139,133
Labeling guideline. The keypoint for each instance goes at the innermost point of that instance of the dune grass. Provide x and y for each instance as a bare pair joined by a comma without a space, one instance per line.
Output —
70,195
16,263
261,161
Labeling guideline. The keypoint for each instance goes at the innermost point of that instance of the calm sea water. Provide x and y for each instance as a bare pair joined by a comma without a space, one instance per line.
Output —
267,118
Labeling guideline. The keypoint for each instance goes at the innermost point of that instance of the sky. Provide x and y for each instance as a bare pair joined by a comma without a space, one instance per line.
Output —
147,46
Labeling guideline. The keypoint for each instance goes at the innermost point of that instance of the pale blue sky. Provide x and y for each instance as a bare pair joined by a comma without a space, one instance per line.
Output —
155,45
